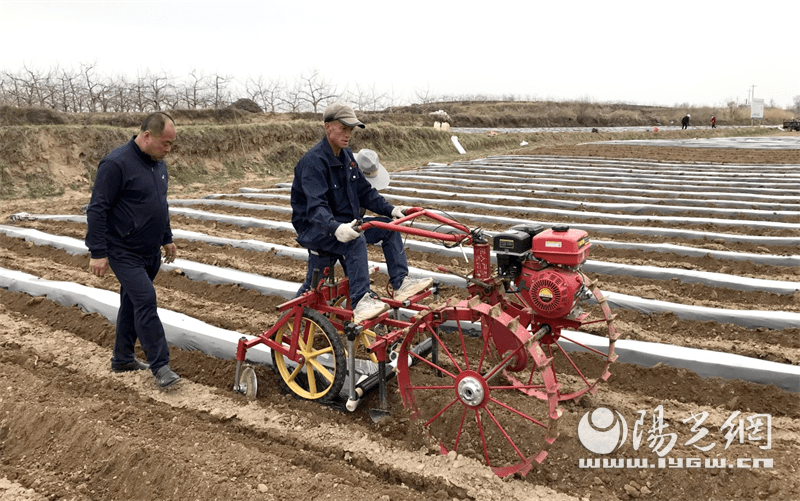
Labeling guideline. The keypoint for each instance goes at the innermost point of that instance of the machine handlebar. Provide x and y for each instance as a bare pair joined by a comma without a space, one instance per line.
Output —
416,212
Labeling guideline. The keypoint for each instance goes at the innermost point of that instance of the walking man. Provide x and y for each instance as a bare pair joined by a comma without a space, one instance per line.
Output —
128,223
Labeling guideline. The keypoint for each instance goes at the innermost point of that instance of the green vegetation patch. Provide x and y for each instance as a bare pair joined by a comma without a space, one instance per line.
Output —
183,173
37,186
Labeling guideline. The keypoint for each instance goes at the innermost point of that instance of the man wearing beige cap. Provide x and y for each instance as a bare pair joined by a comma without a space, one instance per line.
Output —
328,192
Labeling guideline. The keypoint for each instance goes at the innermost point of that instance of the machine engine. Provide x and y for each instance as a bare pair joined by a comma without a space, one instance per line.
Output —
544,265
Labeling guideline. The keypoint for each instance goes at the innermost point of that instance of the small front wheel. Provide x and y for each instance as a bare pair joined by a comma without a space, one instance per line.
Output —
321,371
248,383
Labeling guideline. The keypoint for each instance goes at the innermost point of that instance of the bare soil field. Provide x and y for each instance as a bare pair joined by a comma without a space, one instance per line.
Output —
72,430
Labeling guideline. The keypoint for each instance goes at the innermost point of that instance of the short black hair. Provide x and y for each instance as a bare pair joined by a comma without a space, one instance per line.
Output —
155,122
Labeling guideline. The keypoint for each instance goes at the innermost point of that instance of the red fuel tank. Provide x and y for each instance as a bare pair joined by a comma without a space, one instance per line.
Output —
562,245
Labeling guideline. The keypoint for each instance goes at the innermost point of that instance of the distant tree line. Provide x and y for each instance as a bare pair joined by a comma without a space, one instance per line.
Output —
86,89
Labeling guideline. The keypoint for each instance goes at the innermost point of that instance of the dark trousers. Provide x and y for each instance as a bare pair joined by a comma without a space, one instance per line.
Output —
355,261
320,260
138,314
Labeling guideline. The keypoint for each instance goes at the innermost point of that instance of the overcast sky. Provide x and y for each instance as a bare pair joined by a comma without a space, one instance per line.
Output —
698,52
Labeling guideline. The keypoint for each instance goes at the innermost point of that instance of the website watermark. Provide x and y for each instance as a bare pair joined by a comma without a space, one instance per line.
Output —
604,431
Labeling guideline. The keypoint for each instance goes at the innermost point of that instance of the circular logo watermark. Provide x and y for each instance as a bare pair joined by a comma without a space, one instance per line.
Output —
602,430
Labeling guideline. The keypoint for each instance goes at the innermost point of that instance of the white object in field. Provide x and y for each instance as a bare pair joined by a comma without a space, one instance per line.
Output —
524,143
458,145
437,125
757,109
445,126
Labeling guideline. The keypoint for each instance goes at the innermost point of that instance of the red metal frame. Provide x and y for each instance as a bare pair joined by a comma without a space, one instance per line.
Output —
506,325
320,296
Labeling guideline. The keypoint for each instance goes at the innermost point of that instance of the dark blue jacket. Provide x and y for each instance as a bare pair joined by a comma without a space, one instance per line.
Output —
328,191
129,209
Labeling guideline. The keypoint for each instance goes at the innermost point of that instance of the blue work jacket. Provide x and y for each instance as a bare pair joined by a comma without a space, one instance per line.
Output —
328,191
128,209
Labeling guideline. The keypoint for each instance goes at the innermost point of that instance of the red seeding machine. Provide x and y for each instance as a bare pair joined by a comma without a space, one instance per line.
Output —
485,375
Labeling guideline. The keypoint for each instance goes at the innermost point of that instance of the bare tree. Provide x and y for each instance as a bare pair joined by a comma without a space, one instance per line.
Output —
103,96
221,95
172,100
272,94
78,94
391,99
38,88
253,87
15,89
117,96
352,96
291,98
169,96
266,94
65,96
138,92
583,106
314,90
11,89
122,95
4,89
87,72
367,98
425,96
159,88
195,91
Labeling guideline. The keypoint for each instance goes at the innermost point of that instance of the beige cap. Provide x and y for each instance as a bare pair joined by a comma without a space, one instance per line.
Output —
342,113
375,173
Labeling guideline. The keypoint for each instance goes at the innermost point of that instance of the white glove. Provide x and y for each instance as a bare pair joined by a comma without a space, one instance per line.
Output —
345,232
399,211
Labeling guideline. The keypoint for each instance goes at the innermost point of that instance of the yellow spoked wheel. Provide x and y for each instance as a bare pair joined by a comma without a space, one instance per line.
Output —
321,370
365,339
339,302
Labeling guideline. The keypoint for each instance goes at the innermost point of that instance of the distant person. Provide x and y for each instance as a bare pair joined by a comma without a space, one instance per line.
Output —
327,194
713,122
128,223
376,174
685,122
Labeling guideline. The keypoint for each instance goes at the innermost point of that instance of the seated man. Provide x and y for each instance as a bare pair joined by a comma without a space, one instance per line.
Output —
328,193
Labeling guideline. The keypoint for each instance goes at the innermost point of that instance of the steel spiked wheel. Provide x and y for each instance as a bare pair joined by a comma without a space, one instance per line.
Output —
462,395
581,354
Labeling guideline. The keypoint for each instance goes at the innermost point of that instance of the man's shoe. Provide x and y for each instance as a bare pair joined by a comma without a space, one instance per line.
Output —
165,378
370,306
136,365
411,286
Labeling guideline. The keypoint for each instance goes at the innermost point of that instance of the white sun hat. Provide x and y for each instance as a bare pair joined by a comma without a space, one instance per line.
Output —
376,174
